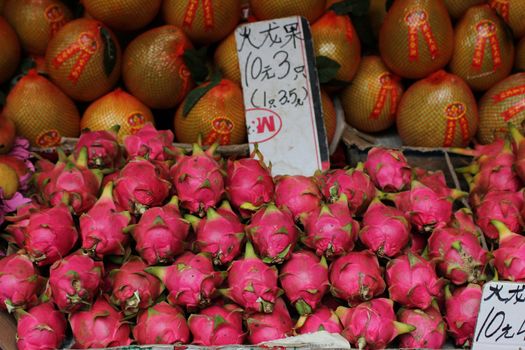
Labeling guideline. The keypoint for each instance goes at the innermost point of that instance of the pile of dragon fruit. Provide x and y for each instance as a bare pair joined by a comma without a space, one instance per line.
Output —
145,244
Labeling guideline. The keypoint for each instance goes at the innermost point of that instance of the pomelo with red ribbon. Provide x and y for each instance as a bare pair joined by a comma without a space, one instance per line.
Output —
504,103
513,12
83,59
483,48
203,21
370,102
416,38
438,111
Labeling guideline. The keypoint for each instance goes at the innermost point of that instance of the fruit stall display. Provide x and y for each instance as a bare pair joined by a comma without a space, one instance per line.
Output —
127,239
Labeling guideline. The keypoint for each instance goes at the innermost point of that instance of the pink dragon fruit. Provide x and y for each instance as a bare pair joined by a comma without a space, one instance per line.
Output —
15,232
198,180
161,324
50,235
356,277
425,208
273,233
75,281
463,219
220,234
371,324
430,332
323,319
41,327
160,233
354,183
509,258
102,227
263,327
20,157
217,325
10,205
385,230
69,182
134,289
304,279
388,169
519,145
490,150
103,149
459,255
191,280
413,281
298,193
253,284
434,179
100,327
418,243
20,283
503,206
151,144
140,185
462,307
330,229
249,184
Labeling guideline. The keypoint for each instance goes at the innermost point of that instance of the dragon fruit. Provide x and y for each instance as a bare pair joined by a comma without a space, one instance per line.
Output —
273,233
371,324
249,184
15,232
323,319
519,145
20,159
41,327
220,234
253,284
140,185
434,179
50,234
503,206
388,169
134,289
354,183
426,208
198,180
385,230
462,307
191,280
100,327
491,150
74,282
20,283
430,332
263,327
304,279
330,229
102,227
103,149
356,277
509,258
217,325
160,233
150,143
418,243
69,182
463,219
459,255
413,281
298,193
161,324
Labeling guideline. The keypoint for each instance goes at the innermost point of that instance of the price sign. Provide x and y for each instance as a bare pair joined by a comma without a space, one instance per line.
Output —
501,318
282,96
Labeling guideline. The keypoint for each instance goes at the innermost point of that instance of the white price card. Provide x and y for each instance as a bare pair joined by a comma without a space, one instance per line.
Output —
501,318
282,96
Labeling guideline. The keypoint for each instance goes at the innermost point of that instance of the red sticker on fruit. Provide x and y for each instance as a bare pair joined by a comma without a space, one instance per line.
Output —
417,21
388,88
456,113
85,46
487,31
49,138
